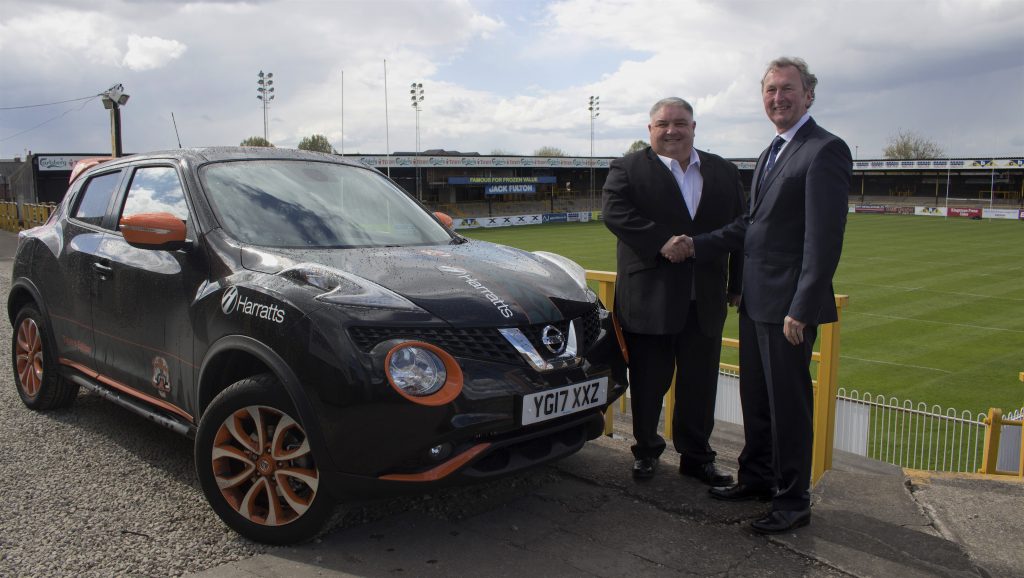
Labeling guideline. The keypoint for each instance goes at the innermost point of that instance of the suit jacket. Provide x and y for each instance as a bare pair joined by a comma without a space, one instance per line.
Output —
792,235
643,207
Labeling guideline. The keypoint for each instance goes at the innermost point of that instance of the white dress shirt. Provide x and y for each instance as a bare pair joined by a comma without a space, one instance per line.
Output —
690,181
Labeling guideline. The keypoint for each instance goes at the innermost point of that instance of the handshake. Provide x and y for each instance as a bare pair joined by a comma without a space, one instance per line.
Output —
678,248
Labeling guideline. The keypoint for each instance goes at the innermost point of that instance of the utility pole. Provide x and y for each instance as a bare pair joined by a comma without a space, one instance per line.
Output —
113,99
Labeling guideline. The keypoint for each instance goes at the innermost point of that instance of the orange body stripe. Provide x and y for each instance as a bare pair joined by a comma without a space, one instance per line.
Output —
125,389
441,471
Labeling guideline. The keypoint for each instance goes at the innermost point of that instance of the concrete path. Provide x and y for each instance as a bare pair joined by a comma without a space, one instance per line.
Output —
585,516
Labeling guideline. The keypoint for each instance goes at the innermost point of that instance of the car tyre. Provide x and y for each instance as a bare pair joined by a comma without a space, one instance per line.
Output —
33,357
256,466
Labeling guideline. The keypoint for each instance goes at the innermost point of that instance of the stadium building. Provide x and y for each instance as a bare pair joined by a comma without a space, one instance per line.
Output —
473,185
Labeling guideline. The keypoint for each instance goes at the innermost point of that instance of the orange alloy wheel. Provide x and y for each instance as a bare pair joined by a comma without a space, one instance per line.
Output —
30,357
264,467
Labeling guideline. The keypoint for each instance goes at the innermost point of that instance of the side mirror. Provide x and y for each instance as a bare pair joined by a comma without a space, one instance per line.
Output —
160,231
445,219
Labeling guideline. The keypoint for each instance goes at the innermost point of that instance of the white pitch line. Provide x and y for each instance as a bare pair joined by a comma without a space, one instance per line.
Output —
894,363
966,325
923,290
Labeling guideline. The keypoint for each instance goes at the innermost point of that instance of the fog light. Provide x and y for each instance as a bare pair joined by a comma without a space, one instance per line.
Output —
440,452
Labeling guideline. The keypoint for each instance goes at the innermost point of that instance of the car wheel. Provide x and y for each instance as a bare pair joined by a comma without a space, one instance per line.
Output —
39,383
256,466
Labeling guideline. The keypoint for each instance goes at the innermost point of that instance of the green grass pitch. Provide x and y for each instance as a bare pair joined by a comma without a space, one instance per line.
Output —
936,312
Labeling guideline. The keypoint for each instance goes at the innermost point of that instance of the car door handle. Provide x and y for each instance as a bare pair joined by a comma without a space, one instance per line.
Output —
102,269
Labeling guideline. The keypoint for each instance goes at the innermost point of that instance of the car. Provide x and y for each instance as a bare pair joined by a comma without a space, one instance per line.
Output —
315,329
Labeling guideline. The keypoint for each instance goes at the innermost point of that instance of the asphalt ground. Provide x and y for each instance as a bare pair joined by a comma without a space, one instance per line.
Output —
96,491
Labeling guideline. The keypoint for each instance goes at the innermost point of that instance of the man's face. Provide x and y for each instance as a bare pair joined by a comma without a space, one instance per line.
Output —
672,130
785,99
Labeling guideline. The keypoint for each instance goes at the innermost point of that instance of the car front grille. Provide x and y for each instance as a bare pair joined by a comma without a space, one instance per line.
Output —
478,342
485,343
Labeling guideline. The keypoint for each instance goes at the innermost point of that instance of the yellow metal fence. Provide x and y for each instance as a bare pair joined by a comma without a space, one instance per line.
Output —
825,393
30,215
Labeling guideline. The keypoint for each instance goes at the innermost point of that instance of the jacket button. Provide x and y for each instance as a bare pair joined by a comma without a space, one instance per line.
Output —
750,221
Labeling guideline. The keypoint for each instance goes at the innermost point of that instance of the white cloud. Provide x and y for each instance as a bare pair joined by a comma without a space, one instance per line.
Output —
510,75
147,53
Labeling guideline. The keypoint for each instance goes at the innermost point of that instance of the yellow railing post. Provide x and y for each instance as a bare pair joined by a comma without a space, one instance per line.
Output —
825,388
825,395
606,293
1020,463
990,455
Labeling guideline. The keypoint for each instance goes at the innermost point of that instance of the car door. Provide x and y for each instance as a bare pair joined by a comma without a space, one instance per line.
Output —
72,286
142,317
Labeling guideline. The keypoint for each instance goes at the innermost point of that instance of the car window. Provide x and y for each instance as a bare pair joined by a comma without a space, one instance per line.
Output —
156,190
313,204
94,200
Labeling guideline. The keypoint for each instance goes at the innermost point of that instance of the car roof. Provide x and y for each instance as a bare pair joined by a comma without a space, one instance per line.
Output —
197,156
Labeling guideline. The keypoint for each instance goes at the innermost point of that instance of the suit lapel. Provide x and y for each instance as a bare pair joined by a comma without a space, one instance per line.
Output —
666,186
780,163
708,176
757,192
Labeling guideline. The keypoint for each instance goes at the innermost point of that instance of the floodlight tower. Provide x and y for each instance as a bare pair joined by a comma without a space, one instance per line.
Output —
593,107
416,96
265,92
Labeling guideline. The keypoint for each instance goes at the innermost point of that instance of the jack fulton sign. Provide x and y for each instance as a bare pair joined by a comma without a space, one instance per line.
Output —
510,189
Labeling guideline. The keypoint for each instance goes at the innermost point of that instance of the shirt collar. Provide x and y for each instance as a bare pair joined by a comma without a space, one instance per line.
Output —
694,159
789,134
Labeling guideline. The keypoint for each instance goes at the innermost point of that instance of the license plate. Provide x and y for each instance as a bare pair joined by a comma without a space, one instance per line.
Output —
566,400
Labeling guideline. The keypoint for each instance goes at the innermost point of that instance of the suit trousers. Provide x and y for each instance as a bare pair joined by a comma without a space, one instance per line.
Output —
693,357
777,400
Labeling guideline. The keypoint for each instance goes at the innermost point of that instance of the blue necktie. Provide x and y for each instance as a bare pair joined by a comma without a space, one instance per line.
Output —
770,163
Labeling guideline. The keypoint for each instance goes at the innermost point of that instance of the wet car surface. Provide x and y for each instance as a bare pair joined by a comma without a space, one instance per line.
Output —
316,331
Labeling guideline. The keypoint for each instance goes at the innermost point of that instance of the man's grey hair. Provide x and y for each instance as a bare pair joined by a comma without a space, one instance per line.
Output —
670,101
809,80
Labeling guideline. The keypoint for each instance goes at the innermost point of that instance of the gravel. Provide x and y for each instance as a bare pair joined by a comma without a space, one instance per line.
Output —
94,490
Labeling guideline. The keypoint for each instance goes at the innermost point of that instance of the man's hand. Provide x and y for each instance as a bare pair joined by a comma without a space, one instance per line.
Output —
794,330
677,249
734,299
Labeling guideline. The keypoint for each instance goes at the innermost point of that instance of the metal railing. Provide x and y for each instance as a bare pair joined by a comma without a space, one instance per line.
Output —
916,436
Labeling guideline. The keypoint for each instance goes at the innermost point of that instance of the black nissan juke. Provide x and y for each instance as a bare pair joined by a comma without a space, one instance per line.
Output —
316,331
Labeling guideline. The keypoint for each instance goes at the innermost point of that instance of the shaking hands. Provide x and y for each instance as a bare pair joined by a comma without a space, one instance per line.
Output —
677,249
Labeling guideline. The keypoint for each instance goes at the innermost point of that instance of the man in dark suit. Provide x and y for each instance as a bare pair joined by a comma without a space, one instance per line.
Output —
791,237
672,311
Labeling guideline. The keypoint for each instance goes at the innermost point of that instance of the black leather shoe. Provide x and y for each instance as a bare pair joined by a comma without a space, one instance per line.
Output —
707,473
643,468
781,521
742,492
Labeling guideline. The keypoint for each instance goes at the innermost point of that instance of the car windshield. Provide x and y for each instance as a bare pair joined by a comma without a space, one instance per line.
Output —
297,203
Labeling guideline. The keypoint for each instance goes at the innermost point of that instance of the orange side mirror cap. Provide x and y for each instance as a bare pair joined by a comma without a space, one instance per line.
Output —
445,219
161,231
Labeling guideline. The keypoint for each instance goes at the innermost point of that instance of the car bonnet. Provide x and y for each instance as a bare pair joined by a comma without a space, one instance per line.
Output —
472,284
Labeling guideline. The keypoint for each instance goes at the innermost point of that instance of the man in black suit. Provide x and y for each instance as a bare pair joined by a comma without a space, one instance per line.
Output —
791,237
672,311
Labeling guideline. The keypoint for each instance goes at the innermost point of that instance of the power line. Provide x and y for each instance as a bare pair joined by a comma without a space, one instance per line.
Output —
87,99
46,104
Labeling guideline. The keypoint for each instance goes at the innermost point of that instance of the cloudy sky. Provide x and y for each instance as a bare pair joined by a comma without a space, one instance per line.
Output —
508,75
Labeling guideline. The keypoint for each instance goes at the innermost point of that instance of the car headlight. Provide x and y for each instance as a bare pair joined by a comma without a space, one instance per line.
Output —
344,288
423,373
416,371
571,268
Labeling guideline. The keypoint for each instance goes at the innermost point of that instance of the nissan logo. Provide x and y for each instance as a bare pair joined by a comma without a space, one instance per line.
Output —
553,339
